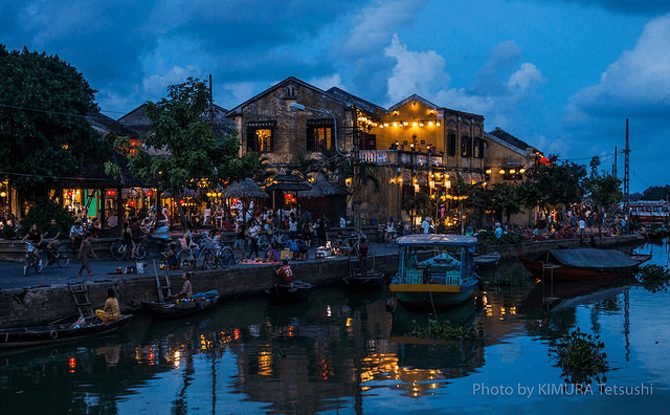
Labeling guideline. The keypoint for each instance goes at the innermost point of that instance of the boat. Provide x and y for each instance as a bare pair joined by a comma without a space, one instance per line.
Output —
287,292
582,264
372,280
435,270
58,333
176,308
650,211
487,261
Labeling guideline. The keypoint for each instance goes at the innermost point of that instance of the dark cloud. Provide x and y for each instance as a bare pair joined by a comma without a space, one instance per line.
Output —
502,59
640,7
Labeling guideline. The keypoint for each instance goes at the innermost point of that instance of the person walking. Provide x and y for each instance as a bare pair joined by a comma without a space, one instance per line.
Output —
254,231
86,249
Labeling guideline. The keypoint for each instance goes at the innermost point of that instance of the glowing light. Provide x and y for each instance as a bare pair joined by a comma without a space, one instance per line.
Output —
488,171
395,123
501,171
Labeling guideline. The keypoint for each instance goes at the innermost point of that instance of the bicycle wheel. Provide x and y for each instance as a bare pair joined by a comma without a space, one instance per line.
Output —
186,259
39,265
210,261
118,250
226,257
63,257
263,243
282,239
26,266
341,246
140,251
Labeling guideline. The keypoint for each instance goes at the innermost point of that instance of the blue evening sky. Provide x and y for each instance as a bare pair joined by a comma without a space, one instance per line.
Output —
562,75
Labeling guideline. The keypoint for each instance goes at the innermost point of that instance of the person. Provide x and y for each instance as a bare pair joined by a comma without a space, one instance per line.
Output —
86,249
50,240
582,226
128,239
171,256
303,249
499,231
8,231
308,231
138,235
321,232
76,233
254,231
94,227
34,236
363,250
110,311
292,226
285,272
186,289
343,222
239,242
227,224
391,232
271,254
425,225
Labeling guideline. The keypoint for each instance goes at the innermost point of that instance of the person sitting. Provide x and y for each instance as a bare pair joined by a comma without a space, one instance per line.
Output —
76,233
285,272
171,257
50,240
303,249
187,288
110,311
271,254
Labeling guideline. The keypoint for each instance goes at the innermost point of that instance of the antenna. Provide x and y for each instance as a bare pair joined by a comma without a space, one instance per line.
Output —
626,177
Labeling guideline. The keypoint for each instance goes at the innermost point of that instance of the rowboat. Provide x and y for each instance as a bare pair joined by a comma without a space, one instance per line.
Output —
57,333
435,269
359,281
176,308
487,261
287,292
582,264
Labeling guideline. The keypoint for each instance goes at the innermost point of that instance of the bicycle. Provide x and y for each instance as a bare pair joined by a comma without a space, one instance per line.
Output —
390,239
119,250
188,257
349,245
32,260
60,255
278,240
226,256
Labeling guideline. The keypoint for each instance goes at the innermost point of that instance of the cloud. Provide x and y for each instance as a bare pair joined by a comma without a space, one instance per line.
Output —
637,84
525,78
646,7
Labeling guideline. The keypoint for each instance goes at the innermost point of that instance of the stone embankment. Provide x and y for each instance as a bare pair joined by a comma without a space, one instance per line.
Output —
40,305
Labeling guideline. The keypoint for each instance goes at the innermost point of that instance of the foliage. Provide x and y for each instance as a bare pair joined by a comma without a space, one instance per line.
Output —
557,184
42,212
504,199
657,193
418,205
654,278
581,357
43,128
603,189
486,239
443,330
191,151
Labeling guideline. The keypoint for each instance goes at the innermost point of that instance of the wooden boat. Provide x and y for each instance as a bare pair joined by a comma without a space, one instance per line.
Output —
372,280
287,292
57,333
582,264
487,261
435,269
176,308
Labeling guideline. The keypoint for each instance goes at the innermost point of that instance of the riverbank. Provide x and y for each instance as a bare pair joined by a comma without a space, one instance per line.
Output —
36,303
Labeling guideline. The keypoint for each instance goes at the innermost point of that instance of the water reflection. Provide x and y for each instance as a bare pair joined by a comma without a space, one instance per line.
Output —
343,352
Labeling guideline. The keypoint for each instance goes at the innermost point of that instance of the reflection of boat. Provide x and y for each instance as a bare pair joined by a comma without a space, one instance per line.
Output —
487,261
181,308
287,292
573,292
57,333
405,320
582,264
444,276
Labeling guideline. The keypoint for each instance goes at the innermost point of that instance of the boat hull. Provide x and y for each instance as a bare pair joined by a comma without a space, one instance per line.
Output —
431,294
373,280
167,311
573,273
289,292
58,333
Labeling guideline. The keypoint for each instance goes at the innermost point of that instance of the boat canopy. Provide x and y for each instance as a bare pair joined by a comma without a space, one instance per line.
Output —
593,258
431,239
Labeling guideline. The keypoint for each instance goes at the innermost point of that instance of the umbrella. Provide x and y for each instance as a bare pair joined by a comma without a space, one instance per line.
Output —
246,188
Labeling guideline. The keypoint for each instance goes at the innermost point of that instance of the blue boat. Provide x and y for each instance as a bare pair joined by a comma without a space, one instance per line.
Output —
435,270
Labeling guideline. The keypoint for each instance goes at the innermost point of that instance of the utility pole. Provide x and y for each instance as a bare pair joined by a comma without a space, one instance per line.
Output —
614,166
211,103
626,177
357,173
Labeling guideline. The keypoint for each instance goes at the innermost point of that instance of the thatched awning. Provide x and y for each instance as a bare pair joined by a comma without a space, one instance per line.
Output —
323,187
288,183
246,188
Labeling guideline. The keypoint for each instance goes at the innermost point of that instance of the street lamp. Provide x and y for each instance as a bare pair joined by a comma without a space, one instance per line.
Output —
298,107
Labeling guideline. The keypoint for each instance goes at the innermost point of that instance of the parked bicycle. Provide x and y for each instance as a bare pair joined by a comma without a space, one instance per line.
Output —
119,250
189,256
348,245
32,260
226,256
278,240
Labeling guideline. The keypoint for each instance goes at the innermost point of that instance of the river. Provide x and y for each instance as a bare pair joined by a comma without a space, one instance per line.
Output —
346,353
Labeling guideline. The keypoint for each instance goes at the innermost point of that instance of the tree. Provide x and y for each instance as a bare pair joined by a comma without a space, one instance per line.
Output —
43,128
556,184
504,199
602,189
193,154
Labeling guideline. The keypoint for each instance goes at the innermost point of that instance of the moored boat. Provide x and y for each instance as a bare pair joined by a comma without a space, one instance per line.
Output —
435,269
582,264
176,308
487,261
58,333
287,292
369,280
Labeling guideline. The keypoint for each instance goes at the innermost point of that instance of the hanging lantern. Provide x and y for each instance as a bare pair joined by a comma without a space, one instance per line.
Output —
69,192
288,196
131,203
149,192
235,201
110,193
293,200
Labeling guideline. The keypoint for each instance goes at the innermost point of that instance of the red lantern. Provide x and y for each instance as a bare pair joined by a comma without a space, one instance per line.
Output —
149,192
69,192
132,203
288,196
235,201
293,200
182,201
110,193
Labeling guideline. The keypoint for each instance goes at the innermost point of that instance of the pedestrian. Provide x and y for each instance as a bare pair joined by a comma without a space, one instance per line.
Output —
321,232
254,231
425,225
363,249
86,249
293,226
240,237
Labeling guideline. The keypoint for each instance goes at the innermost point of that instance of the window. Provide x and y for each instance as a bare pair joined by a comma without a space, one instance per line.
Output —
451,144
260,140
466,146
478,150
319,138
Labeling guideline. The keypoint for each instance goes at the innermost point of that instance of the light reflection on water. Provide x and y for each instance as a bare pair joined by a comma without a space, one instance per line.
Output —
346,353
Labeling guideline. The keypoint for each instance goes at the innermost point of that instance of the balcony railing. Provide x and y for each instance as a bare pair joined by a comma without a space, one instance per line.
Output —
400,157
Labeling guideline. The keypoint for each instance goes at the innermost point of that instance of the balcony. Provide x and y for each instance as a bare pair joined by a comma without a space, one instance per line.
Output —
403,158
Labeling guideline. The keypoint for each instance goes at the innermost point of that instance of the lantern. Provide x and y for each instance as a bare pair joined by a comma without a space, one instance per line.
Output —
288,196
132,203
149,192
69,192
110,193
